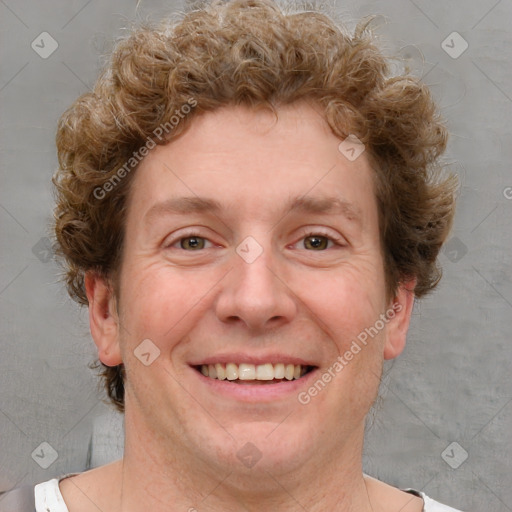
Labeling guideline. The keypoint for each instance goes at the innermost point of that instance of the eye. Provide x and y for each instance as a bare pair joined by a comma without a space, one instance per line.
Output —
319,241
189,242
192,242
316,242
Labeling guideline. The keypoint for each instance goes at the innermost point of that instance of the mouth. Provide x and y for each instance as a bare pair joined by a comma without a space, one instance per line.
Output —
254,374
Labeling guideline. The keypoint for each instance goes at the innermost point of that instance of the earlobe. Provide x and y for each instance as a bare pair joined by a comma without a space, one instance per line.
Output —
103,319
399,315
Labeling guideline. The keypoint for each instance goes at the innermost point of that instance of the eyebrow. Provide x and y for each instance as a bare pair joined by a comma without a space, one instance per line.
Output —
304,204
325,205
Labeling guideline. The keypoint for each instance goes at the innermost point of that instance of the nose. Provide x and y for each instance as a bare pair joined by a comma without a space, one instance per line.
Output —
255,293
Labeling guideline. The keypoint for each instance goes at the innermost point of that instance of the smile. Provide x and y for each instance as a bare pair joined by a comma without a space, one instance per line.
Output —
246,373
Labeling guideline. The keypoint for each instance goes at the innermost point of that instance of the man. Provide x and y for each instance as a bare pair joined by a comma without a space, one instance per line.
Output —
248,204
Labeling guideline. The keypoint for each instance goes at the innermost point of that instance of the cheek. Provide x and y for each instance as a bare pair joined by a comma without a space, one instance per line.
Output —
349,305
347,300
162,304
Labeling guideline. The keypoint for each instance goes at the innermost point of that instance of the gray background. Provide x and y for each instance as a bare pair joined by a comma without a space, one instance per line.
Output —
452,384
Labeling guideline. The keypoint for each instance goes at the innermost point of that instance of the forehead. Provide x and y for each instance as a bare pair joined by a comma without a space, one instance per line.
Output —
241,158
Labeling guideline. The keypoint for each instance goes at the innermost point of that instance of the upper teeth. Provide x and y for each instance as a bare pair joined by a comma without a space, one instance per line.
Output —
268,371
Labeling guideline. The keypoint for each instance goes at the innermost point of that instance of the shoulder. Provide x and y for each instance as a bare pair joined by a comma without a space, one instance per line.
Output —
77,491
48,497
434,506
395,499
86,491
405,500
431,505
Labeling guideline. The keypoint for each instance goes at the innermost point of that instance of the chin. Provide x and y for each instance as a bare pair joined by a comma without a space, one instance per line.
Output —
261,447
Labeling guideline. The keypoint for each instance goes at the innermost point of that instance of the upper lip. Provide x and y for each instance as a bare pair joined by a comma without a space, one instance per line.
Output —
239,358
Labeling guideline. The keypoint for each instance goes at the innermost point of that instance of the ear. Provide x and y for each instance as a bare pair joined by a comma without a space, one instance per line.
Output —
399,314
103,319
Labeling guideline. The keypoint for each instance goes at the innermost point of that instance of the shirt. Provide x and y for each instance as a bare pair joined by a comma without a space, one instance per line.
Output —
48,498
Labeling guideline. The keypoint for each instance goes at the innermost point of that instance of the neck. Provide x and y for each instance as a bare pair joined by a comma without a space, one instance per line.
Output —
156,474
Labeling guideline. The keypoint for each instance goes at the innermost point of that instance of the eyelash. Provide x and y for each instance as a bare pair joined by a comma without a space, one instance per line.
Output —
192,234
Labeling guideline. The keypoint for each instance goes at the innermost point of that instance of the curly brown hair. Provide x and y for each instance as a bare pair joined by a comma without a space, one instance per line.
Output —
254,53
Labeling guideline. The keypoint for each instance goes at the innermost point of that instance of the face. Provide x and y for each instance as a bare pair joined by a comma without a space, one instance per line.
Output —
252,254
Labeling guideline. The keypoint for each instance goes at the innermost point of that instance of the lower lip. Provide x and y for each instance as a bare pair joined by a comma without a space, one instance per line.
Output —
257,392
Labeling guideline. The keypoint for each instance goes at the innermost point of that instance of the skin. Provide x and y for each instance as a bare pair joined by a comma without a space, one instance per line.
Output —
182,437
